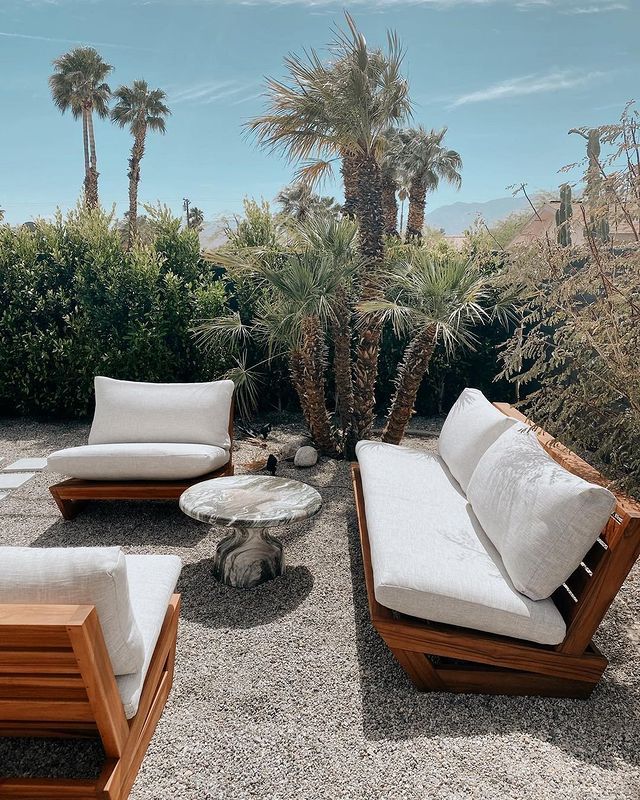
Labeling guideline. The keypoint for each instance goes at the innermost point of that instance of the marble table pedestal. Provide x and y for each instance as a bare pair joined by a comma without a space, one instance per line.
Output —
250,504
248,557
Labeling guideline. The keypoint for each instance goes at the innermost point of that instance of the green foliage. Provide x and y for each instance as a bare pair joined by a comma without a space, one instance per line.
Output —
74,304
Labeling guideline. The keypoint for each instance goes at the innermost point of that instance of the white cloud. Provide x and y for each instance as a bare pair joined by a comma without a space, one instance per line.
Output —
528,84
211,92
605,8
33,37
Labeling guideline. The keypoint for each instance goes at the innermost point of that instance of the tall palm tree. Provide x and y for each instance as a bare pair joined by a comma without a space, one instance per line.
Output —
340,109
196,218
427,162
391,166
78,84
430,299
142,109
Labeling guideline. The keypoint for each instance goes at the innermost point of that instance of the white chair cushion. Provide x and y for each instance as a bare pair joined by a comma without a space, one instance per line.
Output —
196,413
542,518
152,581
160,462
430,557
472,425
94,576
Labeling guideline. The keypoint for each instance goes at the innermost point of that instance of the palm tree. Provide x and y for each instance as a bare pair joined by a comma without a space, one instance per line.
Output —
78,84
431,299
300,202
142,109
341,109
391,174
426,162
196,218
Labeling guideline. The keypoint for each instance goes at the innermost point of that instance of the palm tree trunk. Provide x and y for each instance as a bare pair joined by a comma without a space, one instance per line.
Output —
371,245
92,193
296,371
341,332
390,206
350,181
415,218
313,382
137,151
85,146
411,371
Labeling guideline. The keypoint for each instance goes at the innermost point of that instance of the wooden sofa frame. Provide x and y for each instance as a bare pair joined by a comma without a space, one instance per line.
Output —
70,495
439,657
56,680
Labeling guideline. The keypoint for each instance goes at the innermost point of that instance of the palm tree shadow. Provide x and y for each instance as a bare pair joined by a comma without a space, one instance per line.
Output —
210,603
392,709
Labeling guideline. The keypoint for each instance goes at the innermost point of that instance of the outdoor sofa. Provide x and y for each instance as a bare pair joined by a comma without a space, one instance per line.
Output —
148,441
490,565
87,648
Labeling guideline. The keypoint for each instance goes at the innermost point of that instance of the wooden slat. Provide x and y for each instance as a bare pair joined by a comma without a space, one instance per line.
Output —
45,710
30,690
47,789
579,580
51,730
38,662
595,555
508,682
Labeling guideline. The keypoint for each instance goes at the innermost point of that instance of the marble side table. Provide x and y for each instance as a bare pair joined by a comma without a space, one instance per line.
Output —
250,504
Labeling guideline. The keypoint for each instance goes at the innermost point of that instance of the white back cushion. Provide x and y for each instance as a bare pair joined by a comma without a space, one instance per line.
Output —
188,413
472,425
542,518
94,576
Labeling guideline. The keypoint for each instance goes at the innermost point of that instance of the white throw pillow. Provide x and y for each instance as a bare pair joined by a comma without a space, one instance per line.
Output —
146,461
128,411
94,576
472,425
542,518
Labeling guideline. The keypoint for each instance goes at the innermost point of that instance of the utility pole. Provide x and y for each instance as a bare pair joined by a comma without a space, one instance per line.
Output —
185,205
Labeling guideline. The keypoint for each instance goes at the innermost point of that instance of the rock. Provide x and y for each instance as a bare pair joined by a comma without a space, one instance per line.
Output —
306,456
287,453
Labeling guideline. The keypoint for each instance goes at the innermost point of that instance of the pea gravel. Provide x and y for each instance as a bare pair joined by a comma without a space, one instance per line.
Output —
285,691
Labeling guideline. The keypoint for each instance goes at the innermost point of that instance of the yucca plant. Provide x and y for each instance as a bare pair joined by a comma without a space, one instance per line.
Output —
431,299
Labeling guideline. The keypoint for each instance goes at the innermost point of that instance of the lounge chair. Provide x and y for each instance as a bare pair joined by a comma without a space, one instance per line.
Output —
490,566
87,648
148,441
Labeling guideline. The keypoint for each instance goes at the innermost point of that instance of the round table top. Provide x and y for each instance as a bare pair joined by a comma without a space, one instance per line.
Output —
250,501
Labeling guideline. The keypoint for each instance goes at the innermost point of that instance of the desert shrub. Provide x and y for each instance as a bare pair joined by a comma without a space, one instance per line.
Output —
74,303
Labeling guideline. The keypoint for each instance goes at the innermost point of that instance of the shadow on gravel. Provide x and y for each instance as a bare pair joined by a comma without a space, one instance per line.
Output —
143,524
214,605
598,731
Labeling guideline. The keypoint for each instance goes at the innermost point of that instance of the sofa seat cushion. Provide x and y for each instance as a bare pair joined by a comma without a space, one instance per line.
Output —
472,425
430,557
542,518
151,461
132,411
152,581
95,576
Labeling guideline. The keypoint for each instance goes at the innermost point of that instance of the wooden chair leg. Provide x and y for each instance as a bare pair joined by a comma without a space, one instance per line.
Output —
419,669
68,508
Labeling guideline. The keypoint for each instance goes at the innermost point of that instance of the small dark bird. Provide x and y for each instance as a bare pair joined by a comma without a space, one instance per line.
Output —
272,463
265,430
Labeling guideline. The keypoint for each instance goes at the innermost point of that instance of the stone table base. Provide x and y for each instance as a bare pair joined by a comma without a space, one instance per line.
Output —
248,557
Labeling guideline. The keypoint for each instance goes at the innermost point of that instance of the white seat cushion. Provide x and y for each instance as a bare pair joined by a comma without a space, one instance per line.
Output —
152,581
541,517
94,576
190,413
148,461
472,425
430,557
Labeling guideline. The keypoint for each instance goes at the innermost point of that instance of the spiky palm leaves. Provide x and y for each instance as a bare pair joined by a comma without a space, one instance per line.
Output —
299,202
430,299
140,109
78,84
307,278
422,156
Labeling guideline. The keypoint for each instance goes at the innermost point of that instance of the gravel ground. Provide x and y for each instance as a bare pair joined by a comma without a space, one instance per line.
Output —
286,692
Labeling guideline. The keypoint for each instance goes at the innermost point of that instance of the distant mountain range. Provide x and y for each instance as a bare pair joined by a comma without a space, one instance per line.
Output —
455,218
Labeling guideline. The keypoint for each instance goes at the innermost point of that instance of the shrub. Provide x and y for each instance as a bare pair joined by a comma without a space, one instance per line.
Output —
74,304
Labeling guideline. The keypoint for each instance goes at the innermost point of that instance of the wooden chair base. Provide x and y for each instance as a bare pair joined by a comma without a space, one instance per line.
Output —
125,742
71,495
447,658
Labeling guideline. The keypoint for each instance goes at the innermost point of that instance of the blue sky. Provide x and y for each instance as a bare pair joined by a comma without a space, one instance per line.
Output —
508,77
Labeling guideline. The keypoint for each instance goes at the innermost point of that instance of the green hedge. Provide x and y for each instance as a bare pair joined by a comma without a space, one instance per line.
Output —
74,303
